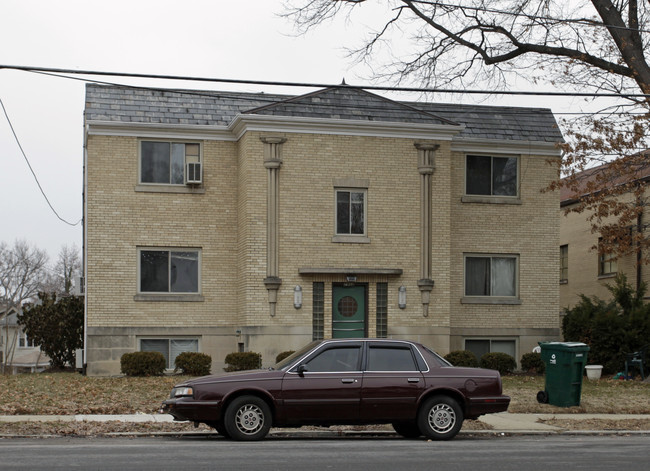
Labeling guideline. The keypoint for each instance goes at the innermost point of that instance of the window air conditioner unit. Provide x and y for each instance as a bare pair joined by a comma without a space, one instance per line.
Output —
193,173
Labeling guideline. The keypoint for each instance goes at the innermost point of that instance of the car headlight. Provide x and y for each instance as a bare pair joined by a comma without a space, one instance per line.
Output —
182,392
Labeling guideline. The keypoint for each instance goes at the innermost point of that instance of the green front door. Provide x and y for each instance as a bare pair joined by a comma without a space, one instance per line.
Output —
348,312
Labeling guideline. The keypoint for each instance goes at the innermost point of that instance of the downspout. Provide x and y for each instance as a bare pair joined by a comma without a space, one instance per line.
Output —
84,255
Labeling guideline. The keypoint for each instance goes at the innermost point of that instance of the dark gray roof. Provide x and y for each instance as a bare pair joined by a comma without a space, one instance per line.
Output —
136,105
350,103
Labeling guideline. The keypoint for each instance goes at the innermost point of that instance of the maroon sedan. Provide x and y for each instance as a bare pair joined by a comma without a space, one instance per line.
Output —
328,382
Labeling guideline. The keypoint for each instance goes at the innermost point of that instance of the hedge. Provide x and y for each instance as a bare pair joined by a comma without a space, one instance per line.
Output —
143,364
462,358
242,361
282,355
502,362
193,363
532,363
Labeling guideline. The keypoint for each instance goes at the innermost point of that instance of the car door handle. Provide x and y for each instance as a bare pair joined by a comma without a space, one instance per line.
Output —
413,380
348,380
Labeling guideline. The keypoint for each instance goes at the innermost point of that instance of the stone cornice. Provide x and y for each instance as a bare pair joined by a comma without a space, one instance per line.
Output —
350,271
163,131
491,146
350,127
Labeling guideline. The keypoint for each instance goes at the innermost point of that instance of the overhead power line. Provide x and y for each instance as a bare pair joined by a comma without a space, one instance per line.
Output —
32,170
322,85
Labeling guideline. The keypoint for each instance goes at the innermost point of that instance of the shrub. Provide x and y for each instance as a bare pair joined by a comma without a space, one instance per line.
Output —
241,361
143,364
502,362
282,355
532,363
193,363
57,325
462,358
610,328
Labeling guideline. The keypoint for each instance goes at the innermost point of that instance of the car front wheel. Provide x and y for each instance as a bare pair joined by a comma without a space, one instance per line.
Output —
219,427
407,429
440,418
247,418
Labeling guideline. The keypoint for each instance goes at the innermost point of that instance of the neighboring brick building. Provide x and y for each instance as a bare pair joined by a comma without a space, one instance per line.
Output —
218,221
582,269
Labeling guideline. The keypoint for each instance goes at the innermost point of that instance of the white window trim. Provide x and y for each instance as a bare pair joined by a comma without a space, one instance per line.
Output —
564,281
168,187
180,337
468,299
168,296
23,336
494,339
352,238
491,199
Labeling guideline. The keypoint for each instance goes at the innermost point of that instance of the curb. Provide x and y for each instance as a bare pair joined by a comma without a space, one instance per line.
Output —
330,435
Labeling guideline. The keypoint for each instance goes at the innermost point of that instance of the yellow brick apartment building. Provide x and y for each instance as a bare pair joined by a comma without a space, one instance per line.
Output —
225,221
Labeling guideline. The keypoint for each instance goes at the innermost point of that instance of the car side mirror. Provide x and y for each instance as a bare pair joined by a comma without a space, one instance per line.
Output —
302,369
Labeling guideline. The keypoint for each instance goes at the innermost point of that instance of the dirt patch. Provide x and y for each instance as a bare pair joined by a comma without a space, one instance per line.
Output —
599,424
95,429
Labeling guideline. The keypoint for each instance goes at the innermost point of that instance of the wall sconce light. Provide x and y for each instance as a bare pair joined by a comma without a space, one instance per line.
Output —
401,297
297,297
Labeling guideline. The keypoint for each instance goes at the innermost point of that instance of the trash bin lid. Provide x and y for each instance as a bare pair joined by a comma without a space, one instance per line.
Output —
566,346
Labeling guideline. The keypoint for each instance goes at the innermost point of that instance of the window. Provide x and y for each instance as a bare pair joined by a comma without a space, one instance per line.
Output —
391,359
318,311
165,162
564,263
169,271
170,348
491,176
491,275
350,212
24,341
335,360
606,261
480,347
382,310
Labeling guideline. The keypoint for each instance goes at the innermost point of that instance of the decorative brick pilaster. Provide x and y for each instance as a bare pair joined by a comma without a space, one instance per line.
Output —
272,162
426,167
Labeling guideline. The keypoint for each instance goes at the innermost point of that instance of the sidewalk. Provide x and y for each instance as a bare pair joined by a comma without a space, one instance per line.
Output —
501,423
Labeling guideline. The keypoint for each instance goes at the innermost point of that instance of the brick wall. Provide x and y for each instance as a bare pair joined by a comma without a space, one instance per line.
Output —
227,221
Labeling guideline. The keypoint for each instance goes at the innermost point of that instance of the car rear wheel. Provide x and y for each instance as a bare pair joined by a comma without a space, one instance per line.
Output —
407,429
247,418
440,418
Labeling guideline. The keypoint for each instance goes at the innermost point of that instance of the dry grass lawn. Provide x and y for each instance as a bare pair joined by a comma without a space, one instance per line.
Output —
605,396
70,393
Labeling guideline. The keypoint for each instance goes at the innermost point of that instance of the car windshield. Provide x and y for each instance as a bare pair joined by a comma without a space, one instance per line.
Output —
297,354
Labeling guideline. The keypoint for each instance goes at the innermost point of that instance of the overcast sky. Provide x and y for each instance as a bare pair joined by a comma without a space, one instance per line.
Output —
242,39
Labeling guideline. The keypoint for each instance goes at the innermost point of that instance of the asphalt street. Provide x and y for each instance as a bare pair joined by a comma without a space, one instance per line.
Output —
534,453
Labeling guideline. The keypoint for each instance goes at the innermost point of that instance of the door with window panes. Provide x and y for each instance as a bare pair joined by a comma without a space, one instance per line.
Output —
349,311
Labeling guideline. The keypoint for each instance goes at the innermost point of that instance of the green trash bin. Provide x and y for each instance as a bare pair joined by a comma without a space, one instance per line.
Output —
565,363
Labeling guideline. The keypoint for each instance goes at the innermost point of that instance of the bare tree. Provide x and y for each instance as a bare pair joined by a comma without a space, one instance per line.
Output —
61,279
22,272
597,46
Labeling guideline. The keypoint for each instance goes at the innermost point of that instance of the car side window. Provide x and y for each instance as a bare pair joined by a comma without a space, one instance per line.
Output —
335,360
391,359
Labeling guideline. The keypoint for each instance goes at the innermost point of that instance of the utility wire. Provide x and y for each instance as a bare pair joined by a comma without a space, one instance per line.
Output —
449,111
31,169
323,85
